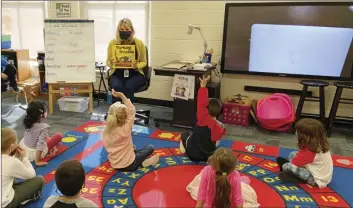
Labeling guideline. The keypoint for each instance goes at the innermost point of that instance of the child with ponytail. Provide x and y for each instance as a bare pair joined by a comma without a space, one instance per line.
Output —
36,141
117,138
219,185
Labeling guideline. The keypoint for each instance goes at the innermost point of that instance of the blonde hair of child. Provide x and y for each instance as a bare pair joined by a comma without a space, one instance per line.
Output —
128,24
8,137
117,116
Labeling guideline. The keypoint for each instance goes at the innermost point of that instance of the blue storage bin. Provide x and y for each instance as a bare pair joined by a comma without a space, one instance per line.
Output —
5,44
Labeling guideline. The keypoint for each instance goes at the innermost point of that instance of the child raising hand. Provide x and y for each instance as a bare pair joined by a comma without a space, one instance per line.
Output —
117,138
200,144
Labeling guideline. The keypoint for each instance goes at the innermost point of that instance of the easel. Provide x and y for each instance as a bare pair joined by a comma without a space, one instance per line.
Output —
54,88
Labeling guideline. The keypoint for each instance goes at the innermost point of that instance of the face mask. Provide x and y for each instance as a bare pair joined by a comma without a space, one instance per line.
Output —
124,35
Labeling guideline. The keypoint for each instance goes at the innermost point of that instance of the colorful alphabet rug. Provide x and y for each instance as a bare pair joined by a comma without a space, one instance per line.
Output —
164,185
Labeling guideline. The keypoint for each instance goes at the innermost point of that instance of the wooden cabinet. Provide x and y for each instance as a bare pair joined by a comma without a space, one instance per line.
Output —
20,59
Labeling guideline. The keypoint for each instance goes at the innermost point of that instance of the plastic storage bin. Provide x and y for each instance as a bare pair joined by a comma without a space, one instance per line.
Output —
5,41
75,104
236,113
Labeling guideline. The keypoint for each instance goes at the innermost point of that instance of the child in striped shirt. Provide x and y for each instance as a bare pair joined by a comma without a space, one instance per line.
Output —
36,140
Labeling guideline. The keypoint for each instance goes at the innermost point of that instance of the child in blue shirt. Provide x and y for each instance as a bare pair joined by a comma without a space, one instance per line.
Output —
8,76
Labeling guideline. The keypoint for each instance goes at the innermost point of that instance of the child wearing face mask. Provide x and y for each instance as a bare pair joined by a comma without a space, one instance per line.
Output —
14,166
36,141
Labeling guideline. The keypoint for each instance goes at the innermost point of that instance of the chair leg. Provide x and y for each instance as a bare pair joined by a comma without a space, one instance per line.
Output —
334,108
144,112
322,105
301,102
146,119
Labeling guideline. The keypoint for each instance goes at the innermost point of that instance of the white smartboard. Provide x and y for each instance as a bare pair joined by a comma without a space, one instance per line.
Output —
297,49
69,51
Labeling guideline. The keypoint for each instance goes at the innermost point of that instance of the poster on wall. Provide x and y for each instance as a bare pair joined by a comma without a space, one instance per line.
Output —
182,85
63,9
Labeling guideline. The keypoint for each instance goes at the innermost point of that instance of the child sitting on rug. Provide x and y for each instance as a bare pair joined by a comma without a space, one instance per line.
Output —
70,179
117,138
201,143
219,185
16,166
312,163
36,140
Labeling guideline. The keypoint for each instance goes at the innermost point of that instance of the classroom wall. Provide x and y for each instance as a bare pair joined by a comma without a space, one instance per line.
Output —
169,41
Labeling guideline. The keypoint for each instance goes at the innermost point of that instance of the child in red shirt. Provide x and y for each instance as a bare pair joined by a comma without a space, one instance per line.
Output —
200,144
312,163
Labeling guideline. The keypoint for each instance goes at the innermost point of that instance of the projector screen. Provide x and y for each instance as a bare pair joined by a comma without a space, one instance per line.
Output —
289,39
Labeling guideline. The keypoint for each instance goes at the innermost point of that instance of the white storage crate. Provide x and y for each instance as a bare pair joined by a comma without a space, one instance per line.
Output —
73,103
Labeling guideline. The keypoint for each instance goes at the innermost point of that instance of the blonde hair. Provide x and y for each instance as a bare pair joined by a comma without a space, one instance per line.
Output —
8,137
117,116
127,22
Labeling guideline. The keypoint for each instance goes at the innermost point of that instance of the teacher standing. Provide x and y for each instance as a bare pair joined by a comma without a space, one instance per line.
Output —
127,81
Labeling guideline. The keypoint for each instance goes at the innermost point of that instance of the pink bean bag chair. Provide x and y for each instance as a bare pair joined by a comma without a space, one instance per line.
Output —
276,112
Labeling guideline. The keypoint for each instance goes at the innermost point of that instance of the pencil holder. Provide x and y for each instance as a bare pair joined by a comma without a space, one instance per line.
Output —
207,58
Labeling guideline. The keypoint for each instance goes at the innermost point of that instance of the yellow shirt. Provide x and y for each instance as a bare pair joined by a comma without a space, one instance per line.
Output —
141,55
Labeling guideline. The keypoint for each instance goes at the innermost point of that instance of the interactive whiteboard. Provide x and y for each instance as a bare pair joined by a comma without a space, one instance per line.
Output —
69,51
294,49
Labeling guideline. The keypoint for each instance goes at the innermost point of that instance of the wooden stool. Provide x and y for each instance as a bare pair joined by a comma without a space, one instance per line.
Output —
321,99
336,101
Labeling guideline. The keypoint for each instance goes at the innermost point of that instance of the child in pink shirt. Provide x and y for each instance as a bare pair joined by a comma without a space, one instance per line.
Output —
220,183
117,138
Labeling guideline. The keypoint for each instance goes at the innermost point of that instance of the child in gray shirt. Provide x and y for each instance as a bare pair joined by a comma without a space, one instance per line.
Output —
70,179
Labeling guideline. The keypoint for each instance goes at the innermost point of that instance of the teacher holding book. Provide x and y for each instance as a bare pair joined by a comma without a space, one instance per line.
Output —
126,58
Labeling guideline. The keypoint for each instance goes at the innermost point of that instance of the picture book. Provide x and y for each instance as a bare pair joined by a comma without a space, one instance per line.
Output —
181,86
124,56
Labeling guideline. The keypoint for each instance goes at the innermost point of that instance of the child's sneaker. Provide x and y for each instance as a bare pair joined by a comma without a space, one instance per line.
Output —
181,147
290,178
55,149
281,161
150,161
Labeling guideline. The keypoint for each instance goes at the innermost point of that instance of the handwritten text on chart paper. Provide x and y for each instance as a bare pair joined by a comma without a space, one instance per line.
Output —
66,25
69,50
59,66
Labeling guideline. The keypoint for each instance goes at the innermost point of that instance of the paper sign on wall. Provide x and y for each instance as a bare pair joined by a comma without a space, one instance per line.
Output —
182,87
63,9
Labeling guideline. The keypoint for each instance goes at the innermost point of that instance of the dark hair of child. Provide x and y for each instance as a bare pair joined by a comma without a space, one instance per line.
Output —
312,135
35,111
223,161
70,177
214,107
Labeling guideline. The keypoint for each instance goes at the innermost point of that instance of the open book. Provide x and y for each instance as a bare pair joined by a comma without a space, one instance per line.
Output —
124,56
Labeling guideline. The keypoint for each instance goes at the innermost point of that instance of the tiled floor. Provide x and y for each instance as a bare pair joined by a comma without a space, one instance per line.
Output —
341,139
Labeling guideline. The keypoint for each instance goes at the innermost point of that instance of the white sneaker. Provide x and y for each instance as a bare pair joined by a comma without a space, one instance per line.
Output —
150,161
181,147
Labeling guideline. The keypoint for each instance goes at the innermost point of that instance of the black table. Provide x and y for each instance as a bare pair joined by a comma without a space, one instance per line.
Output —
184,111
